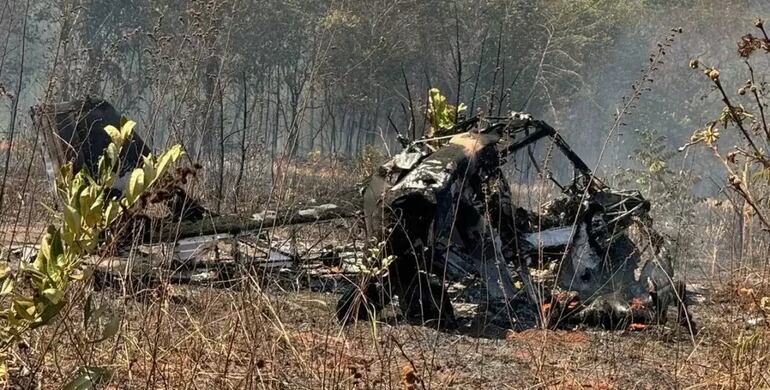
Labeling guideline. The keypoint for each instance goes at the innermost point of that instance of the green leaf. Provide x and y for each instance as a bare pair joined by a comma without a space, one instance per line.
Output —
149,170
57,248
111,153
112,212
94,214
34,274
127,129
72,219
53,295
54,269
66,172
170,156
7,287
104,168
48,313
657,166
45,249
135,186
77,190
114,134
87,198
79,274
25,308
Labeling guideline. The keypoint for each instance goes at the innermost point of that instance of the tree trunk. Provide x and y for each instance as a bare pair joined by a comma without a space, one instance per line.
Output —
221,162
242,160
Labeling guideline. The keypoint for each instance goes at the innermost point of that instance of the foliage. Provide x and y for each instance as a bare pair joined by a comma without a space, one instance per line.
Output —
669,191
748,165
338,18
375,263
314,157
441,115
708,135
36,293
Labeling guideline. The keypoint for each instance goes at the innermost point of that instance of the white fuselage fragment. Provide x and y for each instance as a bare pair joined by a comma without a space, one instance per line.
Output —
550,238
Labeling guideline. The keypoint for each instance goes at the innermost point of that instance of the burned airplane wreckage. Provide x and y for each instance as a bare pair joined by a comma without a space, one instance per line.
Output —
444,213
438,215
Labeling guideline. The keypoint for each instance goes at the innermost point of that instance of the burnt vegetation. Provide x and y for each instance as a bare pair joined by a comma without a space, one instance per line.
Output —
384,194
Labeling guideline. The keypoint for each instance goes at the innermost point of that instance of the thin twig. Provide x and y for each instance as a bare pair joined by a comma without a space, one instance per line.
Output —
15,109
459,64
739,123
413,124
755,92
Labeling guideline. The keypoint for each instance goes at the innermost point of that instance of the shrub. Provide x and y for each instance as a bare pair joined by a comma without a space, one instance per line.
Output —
35,294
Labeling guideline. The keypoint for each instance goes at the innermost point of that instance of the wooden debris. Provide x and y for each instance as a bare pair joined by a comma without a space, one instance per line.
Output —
235,224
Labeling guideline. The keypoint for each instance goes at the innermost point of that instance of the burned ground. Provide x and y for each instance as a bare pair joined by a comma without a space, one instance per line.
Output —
277,329
242,309
263,333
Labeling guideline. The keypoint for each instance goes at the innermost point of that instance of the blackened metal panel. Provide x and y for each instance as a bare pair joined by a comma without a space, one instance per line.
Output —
73,132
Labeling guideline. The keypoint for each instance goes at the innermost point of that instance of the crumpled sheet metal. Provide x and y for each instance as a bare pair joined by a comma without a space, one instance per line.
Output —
430,174
403,161
586,231
433,220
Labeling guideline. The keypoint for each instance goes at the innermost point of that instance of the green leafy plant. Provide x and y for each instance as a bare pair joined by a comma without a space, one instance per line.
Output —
376,263
668,189
653,155
35,294
442,115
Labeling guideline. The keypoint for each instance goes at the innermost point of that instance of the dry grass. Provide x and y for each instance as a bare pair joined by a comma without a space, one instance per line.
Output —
257,335
268,331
